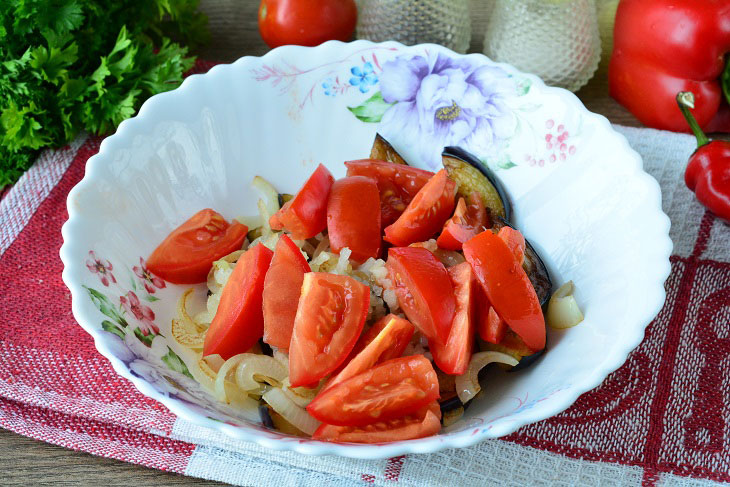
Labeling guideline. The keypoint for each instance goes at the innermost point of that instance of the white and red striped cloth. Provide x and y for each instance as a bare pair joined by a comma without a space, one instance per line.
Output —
661,419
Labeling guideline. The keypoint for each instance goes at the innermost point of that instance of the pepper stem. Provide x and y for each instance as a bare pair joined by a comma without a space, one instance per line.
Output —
686,100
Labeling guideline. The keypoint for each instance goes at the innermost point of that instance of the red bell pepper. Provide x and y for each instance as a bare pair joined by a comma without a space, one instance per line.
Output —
662,47
708,171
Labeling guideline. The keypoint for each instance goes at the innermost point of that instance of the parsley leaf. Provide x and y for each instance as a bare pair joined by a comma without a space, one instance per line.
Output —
73,65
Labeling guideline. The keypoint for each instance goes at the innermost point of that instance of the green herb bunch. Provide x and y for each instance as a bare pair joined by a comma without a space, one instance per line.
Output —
71,65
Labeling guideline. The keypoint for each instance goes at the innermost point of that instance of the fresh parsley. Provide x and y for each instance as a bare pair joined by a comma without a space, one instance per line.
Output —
72,65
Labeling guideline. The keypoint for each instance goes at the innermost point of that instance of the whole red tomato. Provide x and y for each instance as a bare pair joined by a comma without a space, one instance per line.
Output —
306,22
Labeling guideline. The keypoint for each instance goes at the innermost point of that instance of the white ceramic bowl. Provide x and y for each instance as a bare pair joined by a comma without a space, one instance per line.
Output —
577,188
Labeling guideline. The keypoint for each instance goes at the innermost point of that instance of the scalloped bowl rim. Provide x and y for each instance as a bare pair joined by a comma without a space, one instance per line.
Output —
558,403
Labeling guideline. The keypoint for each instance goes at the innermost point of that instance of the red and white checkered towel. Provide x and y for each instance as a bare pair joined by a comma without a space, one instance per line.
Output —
661,419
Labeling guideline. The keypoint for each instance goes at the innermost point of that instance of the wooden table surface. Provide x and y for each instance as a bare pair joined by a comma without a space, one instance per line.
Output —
234,33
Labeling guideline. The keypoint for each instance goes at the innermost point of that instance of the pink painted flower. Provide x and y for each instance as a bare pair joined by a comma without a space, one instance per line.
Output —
149,280
101,267
144,314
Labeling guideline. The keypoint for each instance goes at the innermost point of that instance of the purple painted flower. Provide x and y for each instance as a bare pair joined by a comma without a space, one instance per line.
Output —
149,280
144,314
101,267
440,101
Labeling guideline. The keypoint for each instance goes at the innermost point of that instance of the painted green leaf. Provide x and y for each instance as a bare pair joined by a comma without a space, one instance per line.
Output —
146,339
372,109
506,164
522,87
105,306
151,298
175,363
107,325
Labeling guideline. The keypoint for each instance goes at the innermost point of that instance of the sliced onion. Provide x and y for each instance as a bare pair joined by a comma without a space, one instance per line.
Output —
563,310
321,247
265,215
467,385
226,390
297,416
254,369
301,396
268,193
250,221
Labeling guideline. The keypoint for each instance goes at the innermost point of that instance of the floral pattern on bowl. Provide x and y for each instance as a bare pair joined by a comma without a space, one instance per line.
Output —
578,192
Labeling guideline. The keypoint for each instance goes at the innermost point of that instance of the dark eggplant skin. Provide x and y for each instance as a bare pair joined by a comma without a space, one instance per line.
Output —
383,151
505,212
265,416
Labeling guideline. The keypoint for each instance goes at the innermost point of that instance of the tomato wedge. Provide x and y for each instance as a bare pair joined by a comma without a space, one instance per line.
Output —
507,287
392,389
453,357
424,290
426,213
424,422
468,220
239,321
514,240
186,255
306,215
353,217
282,287
391,338
397,184
330,316
490,326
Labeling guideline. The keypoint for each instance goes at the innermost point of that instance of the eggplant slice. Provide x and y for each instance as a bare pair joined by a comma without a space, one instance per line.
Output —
383,151
473,175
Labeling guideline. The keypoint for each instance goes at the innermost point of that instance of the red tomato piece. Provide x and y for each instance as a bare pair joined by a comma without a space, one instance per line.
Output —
424,290
514,240
282,287
306,215
468,220
426,213
390,390
397,184
390,340
330,316
424,422
306,22
490,326
353,217
239,321
507,287
186,255
453,357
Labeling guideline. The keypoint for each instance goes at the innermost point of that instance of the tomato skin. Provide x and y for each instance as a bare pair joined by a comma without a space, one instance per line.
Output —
397,184
514,240
306,215
490,327
282,287
306,22
353,217
424,422
453,357
391,338
426,213
186,255
330,316
392,389
468,220
239,321
424,290
507,287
